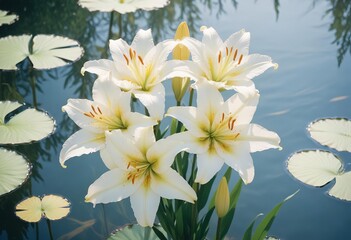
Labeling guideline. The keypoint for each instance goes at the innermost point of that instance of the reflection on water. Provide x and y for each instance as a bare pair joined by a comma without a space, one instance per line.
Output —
93,31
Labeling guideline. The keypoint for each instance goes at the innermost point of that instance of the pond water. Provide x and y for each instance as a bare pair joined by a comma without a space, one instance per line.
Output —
310,83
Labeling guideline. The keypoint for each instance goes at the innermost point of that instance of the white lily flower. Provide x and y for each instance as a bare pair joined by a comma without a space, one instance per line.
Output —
109,111
220,132
122,6
140,168
140,68
226,65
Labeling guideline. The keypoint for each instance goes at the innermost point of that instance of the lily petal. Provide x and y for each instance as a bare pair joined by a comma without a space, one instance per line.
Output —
109,160
108,92
111,186
242,107
145,203
100,67
163,152
209,100
153,100
121,148
144,138
207,166
76,110
171,185
258,137
143,42
118,48
239,40
81,142
254,65
190,117
240,160
191,143
212,40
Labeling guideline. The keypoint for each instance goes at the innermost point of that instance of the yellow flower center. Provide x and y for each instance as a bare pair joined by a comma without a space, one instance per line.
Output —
139,169
141,72
221,133
225,67
106,122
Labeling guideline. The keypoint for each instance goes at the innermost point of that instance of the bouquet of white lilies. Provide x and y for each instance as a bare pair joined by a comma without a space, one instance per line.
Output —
169,172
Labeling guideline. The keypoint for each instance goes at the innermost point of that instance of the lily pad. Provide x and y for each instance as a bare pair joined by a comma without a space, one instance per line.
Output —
122,6
317,168
332,132
14,170
26,126
6,18
44,51
135,232
52,207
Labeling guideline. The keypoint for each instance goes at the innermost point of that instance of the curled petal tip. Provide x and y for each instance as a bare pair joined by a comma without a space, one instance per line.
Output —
275,66
280,148
203,28
82,71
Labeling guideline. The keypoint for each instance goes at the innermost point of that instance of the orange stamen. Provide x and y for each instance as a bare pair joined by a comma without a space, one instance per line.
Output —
141,60
235,53
241,58
125,57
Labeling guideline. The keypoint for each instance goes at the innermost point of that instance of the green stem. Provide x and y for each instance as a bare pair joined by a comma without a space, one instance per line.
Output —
33,87
194,213
37,230
218,232
120,25
105,220
191,97
50,229
110,27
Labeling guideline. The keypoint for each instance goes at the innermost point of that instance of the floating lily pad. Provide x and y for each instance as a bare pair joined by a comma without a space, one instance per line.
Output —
28,125
135,232
332,132
317,168
6,18
14,170
50,206
47,51
122,6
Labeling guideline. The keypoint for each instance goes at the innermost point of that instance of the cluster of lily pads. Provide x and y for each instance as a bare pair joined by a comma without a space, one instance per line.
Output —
319,167
21,124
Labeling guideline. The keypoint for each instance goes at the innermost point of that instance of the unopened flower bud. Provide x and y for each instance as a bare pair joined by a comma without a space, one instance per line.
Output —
222,198
180,52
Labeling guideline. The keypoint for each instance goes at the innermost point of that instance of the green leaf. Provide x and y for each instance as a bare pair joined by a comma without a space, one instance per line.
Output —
203,194
248,232
159,234
263,228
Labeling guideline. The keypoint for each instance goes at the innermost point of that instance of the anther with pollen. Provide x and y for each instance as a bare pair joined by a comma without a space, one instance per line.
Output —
125,57
219,56
91,114
241,58
141,59
235,53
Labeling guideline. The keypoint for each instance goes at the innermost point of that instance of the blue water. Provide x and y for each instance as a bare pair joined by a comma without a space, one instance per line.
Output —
308,85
